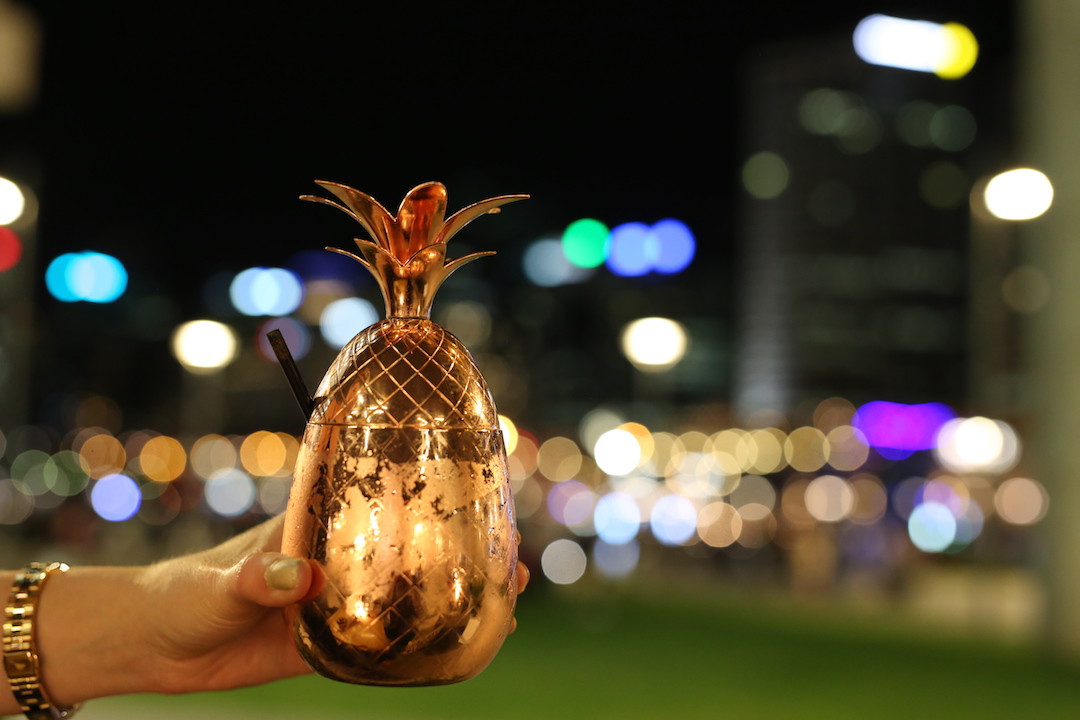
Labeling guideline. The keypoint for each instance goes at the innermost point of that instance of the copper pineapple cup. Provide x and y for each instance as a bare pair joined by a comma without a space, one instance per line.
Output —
401,490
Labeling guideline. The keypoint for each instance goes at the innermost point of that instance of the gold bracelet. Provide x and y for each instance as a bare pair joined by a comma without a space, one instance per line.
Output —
21,659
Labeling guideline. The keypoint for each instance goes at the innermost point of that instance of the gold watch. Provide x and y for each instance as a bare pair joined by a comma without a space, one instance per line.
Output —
21,660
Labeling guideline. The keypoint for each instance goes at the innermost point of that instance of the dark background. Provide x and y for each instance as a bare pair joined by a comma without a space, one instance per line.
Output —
179,139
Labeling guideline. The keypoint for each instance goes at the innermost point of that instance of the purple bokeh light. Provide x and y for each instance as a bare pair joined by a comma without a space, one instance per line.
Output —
900,426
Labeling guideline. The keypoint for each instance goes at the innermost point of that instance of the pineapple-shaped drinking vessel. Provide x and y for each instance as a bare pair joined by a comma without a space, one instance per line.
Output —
401,491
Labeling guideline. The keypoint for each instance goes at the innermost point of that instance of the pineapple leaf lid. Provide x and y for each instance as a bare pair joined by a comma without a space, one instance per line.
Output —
407,253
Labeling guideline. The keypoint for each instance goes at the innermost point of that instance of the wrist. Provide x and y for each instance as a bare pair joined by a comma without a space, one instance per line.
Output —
22,656
89,635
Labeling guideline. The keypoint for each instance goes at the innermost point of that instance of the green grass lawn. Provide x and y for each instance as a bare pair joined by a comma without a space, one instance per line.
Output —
603,653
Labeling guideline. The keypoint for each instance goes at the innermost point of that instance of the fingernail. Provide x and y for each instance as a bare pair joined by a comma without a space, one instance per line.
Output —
283,573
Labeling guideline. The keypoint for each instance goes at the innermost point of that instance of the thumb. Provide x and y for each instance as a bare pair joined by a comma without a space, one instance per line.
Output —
273,579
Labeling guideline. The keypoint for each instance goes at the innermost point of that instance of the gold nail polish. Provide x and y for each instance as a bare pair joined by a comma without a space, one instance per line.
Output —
283,574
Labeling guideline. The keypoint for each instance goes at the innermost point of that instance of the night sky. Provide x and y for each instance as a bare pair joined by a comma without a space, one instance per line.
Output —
179,137
197,128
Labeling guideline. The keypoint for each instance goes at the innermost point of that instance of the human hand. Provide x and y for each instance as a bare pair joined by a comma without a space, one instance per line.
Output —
219,624
211,620
227,629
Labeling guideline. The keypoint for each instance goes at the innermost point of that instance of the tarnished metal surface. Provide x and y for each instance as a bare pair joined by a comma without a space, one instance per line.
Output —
401,494
400,488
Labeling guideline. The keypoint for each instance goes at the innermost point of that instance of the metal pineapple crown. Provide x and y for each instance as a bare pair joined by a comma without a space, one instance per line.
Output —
407,253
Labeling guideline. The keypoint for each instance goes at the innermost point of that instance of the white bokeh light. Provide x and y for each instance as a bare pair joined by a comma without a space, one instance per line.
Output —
204,346
654,344
977,444
1021,194
563,562
12,202
617,452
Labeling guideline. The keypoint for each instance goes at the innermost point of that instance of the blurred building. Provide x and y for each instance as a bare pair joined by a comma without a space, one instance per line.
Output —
19,173
854,229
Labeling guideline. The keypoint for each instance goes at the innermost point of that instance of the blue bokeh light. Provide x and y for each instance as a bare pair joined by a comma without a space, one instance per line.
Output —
545,264
86,276
266,291
342,319
617,518
673,520
632,249
230,492
116,498
56,278
675,245
932,527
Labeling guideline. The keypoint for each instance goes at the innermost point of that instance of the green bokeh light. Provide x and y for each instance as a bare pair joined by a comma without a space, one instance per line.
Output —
584,242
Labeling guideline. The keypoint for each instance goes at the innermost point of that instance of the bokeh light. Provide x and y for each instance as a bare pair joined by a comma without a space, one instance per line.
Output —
765,175
204,346
806,449
654,344
719,524
948,50
676,246
342,319
264,453
1021,194
632,249
848,449
673,520
977,444
584,243
829,498
617,518
595,423
901,426
563,561
1021,501
11,249
229,492
12,201
86,276
211,453
932,527
617,452
546,264
571,503
266,291
102,453
162,459
66,473
509,433
116,497
558,458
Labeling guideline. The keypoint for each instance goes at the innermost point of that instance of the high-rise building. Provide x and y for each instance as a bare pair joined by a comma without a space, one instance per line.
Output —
854,230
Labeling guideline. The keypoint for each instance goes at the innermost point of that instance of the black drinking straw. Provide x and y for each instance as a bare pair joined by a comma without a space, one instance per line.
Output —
292,373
